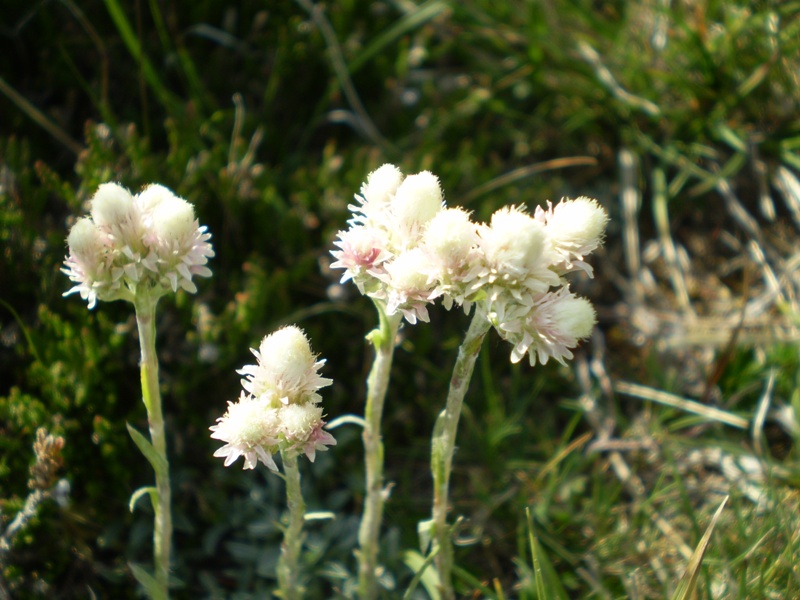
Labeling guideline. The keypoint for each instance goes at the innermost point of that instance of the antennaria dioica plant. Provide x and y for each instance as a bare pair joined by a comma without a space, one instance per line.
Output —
140,248
404,249
279,412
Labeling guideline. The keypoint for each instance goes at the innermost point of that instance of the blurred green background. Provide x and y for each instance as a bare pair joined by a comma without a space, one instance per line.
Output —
268,116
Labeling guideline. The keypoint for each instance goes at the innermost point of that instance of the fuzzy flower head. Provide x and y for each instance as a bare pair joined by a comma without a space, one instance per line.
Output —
250,429
524,292
150,241
287,371
279,410
450,244
377,193
301,429
554,324
87,262
575,228
361,253
416,202
516,258
407,287
386,229
513,241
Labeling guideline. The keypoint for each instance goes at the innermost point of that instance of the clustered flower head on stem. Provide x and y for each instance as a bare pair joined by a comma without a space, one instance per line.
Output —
406,248
150,239
381,250
279,410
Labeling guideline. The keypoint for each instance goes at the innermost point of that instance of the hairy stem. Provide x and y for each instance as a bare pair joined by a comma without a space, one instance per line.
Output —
443,446
289,562
145,305
383,339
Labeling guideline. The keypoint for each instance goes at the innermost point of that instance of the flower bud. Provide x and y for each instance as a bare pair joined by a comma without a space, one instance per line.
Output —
85,241
577,225
418,199
407,272
514,239
250,429
152,196
298,421
112,204
173,219
450,236
574,317
381,184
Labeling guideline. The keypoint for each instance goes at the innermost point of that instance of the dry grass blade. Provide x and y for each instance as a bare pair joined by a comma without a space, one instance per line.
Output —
761,415
709,412
668,249
631,200
688,582
526,171
39,117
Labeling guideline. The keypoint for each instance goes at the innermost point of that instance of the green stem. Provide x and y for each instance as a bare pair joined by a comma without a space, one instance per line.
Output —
145,305
383,339
443,445
289,562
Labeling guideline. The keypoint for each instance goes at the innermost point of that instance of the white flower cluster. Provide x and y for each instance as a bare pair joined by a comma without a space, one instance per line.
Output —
406,248
151,239
279,410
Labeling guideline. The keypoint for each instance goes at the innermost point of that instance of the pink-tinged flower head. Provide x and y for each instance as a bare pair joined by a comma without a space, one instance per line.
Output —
250,429
279,411
554,324
151,239
301,427
574,229
380,251
179,247
87,261
407,287
287,370
361,252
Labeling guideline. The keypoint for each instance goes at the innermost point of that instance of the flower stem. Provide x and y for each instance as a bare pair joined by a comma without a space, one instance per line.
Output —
145,305
289,562
443,445
383,339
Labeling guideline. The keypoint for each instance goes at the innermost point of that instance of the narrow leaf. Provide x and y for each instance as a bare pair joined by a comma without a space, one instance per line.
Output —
147,581
158,462
688,582
141,492
410,21
424,571
548,585
425,531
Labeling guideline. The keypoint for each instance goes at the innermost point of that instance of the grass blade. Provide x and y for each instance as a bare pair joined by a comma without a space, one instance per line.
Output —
135,48
688,582
424,572
548,585
408,22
